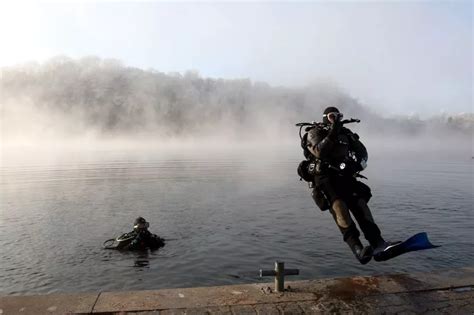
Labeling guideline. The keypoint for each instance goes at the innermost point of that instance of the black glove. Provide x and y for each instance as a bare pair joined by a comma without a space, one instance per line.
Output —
335,129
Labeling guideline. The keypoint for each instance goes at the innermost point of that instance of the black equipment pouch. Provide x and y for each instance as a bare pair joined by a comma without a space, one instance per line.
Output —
307,170
363,191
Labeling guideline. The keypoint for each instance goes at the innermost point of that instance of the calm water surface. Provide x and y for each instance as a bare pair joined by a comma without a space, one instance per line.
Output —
225,216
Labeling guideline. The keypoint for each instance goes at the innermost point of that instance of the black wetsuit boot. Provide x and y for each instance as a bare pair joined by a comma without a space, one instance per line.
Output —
363,254
351,237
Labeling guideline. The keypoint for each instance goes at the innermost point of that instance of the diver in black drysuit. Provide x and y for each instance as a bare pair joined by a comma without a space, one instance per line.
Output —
140,238
335,186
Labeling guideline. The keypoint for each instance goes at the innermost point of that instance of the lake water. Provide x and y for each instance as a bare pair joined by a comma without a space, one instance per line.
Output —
225,216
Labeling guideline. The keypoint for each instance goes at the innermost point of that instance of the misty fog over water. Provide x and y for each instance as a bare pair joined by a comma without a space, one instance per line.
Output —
90,144
65,100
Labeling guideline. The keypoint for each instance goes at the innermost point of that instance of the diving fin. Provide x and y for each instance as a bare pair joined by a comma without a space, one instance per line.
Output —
418,241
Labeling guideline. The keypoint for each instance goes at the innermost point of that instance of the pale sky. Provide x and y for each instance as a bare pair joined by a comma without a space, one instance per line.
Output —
399,57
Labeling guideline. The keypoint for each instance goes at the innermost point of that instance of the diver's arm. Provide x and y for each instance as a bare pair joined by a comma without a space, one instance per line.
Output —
325,140
320,142
334,130
155,242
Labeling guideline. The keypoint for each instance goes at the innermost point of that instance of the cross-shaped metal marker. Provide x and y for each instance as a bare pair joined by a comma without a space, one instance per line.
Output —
279,273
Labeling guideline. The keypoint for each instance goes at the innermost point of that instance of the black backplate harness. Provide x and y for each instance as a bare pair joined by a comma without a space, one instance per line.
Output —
311,125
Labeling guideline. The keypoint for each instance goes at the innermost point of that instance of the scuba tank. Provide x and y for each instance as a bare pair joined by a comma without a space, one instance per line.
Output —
358,155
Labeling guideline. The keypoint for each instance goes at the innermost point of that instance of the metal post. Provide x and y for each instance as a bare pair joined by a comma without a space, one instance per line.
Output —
279,276
279,273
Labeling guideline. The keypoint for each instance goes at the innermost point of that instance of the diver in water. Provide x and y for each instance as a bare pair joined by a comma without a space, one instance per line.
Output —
138,239
334,158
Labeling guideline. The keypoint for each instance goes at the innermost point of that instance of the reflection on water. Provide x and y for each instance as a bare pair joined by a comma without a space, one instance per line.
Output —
225,216
142,259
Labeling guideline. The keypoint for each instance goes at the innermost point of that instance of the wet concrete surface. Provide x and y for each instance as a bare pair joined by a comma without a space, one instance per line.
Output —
442,292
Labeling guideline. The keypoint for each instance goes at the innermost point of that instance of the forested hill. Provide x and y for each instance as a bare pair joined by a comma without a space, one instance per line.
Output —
109,98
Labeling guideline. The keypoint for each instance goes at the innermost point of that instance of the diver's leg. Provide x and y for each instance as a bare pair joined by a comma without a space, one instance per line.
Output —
364,218
341,215
343,219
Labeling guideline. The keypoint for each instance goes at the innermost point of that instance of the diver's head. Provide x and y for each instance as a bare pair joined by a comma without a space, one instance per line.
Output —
140,224
331,114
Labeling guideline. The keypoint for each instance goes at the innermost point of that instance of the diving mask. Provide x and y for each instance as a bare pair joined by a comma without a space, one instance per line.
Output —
333,116
141,226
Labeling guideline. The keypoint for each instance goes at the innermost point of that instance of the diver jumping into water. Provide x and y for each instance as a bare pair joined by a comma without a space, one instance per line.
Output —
138,239
334,158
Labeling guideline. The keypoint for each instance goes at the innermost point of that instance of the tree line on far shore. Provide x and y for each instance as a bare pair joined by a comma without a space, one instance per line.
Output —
108,97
